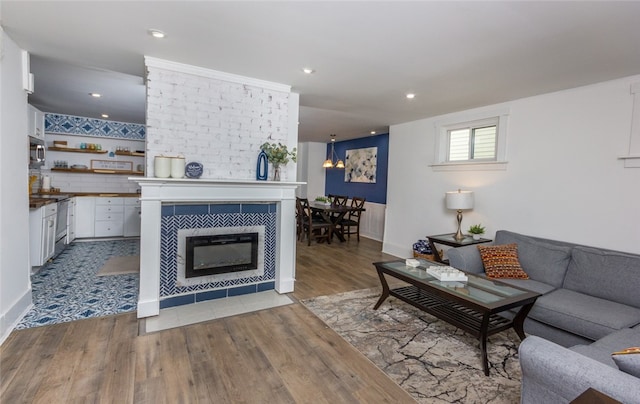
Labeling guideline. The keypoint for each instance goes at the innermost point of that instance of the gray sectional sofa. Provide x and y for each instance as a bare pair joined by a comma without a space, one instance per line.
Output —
589,308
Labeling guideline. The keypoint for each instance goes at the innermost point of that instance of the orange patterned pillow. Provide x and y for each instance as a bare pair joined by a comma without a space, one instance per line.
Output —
501,261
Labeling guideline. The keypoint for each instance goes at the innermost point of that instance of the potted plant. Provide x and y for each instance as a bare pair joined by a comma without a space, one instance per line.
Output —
278,155
476,230
325,200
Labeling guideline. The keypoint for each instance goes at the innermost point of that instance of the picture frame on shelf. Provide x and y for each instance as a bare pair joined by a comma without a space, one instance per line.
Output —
111,165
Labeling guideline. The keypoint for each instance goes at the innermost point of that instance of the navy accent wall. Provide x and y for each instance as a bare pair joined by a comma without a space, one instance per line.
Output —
334,177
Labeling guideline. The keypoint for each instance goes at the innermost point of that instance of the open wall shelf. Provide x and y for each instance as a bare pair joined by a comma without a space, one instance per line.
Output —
72,150
97,171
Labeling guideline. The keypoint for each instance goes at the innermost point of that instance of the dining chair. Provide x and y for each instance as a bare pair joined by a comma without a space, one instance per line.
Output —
338,199
310,226
351,224
299,227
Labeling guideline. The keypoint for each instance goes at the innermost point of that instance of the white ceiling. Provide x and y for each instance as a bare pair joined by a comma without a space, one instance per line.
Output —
367,55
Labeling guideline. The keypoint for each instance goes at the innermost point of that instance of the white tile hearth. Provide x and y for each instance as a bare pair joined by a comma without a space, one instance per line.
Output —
213,309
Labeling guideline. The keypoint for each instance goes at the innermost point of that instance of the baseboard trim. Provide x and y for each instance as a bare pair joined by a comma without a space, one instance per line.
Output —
148,308
10,319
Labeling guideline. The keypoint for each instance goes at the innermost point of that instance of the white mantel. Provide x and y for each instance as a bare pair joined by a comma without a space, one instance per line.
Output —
156,191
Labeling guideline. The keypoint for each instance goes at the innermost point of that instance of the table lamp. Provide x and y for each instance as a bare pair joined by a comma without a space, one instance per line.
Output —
459,200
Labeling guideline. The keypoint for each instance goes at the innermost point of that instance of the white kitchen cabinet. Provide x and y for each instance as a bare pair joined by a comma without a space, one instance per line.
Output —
71,221
106,217
131,217
85,216
42,233
35,122
109,217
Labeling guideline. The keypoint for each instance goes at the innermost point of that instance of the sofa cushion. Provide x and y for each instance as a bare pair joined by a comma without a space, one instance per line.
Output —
501,261
584,315
530,284
601,349
628,360
600,355
606,274
543,261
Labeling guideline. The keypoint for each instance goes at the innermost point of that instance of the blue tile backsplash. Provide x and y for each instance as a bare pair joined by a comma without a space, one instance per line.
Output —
196,216
77,125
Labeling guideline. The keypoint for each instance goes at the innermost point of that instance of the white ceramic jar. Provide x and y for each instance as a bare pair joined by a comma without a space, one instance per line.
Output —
162,166
177,167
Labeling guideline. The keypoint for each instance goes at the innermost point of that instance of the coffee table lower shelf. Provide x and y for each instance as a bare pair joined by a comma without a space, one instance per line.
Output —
456,314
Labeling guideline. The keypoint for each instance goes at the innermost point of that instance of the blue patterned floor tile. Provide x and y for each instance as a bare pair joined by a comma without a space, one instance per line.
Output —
68,289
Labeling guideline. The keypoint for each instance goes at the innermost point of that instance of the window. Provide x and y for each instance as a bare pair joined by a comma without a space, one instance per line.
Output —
475,143
472,143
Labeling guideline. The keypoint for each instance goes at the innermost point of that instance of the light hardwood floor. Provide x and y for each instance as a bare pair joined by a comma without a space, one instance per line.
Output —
280,355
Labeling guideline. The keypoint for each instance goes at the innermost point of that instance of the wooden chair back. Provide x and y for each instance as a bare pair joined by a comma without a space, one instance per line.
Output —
309,227
338,199
351,225
357,202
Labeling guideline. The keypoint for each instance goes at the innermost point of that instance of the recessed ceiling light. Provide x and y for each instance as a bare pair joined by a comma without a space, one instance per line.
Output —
95,95
373,132
308,70
156,33
105,115
411,96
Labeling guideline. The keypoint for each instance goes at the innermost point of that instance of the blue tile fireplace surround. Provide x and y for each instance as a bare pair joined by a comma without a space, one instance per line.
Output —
176,217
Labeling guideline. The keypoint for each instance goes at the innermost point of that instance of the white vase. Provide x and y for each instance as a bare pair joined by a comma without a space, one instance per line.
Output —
162,167
477,236
177,167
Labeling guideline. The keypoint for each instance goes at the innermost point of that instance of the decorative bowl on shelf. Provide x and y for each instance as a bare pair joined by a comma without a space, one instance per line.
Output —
79,167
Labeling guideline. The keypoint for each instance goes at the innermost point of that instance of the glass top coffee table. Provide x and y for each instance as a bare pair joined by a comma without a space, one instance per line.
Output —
471,305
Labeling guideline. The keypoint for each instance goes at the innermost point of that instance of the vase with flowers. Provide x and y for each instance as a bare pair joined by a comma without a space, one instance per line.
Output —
278,155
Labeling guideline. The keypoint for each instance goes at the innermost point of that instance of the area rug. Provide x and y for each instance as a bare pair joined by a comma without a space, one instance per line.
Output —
434,361
120,265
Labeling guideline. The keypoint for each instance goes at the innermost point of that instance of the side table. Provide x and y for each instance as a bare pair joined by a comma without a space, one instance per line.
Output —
449,240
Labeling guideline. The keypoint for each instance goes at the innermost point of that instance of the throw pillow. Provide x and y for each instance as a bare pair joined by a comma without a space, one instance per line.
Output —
501,261
628,360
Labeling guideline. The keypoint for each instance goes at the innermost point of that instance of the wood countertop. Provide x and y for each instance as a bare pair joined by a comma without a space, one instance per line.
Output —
107,194
38,201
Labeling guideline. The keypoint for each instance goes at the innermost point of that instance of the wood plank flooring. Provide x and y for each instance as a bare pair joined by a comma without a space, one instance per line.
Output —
280,355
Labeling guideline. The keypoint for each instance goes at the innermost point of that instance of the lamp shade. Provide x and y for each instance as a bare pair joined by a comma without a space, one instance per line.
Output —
459,200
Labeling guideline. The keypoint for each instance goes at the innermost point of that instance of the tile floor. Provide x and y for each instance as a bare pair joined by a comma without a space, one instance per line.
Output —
68,289
209,310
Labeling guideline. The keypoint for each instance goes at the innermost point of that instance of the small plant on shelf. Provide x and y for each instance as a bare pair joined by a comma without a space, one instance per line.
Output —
476,230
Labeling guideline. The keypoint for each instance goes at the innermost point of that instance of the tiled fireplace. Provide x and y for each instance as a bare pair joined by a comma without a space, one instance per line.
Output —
173,209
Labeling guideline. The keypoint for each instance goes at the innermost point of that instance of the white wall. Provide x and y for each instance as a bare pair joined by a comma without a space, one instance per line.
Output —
217,119
563,178
15,284
311,155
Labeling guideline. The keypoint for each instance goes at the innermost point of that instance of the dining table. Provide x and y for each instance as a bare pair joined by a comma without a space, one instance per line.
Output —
333,214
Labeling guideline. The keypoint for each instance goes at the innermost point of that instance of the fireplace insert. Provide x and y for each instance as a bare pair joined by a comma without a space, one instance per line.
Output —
220,253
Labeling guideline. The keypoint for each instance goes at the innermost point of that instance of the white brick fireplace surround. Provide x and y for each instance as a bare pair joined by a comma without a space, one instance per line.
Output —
157,193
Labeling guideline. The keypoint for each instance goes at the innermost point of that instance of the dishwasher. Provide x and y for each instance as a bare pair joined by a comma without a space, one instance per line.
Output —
61,226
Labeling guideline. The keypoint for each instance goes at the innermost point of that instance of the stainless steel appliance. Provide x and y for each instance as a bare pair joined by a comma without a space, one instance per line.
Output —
36,152
61,225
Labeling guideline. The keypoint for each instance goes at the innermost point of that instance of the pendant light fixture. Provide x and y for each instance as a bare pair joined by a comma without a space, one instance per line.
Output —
330,162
